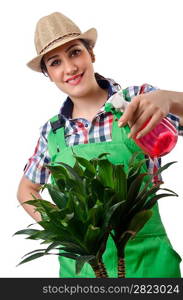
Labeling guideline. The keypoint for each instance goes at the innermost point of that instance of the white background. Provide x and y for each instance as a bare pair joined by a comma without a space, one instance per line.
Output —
138,41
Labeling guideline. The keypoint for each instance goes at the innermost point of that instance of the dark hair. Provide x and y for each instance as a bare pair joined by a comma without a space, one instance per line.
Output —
43,67
87,45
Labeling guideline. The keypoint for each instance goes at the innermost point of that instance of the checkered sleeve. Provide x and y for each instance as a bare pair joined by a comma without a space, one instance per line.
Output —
35,169
180,128
133,91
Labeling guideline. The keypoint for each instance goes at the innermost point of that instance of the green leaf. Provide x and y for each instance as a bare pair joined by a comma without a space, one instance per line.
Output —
110,197
52,246
135,225
168,190
42,235
139,220
109,214
134,189
72,172
75,250
74,186
73,247
161,169
34,251
91,200
81,260
27,231
102,155
133,158
45,242
89,168
147,190
153,200
52,212
31,224
91,238
77,168
120,181
74,181
61,183
96,214
32,257
135,170
79,209
58,197
57,171
40,203
77,228
141,199
56,228
105,173
68,255
97,189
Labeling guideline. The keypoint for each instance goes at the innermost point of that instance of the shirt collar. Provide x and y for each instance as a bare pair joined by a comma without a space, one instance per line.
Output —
109,84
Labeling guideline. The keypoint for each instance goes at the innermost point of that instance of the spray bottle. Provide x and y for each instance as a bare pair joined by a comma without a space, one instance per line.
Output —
156,143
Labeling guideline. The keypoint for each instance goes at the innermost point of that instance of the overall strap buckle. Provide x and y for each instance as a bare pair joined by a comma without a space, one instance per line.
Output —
58,123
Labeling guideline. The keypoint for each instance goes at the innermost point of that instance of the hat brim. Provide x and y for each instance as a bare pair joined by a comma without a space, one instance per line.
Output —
90,35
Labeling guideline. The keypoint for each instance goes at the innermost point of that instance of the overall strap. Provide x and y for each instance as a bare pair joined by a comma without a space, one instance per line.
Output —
118,134
56,138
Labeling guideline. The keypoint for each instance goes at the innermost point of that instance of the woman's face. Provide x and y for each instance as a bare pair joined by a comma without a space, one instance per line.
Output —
70,67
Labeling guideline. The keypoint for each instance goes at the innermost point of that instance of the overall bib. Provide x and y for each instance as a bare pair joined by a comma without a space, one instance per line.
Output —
150,253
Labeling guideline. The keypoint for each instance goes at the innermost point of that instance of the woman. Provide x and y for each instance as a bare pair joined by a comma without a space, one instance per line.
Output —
66,56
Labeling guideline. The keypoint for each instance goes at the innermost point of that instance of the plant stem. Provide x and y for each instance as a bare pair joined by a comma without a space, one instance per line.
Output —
120,245
96,270
102,268
121,267
99,269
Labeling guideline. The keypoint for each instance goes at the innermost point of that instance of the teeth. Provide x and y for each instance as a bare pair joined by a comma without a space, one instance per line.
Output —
74,79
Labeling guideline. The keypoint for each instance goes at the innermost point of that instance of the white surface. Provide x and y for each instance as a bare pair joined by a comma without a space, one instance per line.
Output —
138,41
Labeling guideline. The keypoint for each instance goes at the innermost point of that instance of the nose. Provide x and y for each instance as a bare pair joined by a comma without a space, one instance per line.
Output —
70,67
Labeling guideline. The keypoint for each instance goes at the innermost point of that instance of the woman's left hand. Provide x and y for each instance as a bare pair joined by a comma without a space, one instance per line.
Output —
153,105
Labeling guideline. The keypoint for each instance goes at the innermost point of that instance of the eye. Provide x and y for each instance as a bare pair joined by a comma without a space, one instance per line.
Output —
55,62
75,52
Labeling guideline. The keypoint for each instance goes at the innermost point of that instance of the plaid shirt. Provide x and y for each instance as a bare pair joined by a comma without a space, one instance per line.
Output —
82,131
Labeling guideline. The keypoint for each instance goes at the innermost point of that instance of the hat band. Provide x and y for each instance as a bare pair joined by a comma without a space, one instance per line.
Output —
58,39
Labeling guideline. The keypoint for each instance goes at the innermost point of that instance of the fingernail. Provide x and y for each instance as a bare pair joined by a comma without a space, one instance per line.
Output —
138,136
120,123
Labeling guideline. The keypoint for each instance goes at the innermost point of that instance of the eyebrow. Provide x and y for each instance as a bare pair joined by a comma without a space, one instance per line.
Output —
71,47
52,57
65,51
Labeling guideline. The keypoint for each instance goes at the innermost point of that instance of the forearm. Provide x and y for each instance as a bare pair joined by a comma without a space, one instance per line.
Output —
176,103
24,194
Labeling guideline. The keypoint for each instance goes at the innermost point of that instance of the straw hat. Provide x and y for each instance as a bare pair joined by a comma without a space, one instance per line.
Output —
53,31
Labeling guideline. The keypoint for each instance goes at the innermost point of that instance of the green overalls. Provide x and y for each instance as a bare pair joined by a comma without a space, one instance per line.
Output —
150,253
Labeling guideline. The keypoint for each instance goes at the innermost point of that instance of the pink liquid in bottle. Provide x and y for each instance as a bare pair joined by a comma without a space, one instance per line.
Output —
160,140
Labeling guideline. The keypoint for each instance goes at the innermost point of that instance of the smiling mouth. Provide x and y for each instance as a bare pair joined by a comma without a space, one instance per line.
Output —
75,79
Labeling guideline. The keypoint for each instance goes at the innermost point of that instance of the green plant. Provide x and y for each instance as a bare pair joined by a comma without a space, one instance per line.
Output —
132,214
93,199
